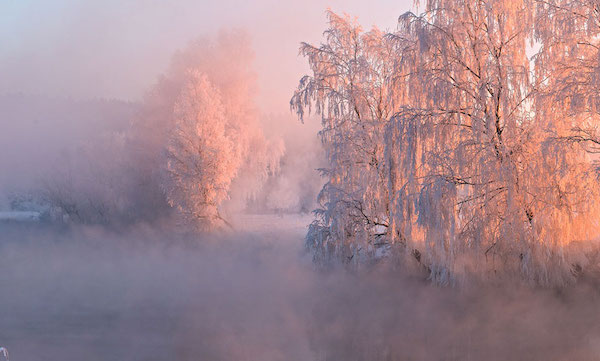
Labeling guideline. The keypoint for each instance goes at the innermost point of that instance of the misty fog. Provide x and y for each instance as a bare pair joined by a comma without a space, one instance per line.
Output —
147,294
116,244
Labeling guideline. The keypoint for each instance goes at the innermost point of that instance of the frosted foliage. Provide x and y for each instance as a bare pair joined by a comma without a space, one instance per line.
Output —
349,89
569,64
450,148
201,129
202,159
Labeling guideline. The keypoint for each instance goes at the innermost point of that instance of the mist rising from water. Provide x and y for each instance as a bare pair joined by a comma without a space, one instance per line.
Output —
155,294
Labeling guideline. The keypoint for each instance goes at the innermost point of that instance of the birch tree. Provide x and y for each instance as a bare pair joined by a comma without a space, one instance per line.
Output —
200,135
349,88
201,158
481,173
491,188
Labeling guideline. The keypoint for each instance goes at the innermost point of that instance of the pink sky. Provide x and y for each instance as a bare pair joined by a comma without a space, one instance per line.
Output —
115,49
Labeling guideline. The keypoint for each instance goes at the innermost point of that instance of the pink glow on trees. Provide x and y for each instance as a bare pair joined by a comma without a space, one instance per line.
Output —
448,145
350,89
200,132
201,158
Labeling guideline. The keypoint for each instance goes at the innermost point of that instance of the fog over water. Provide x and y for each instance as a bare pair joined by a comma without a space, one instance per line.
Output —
151,294
94,267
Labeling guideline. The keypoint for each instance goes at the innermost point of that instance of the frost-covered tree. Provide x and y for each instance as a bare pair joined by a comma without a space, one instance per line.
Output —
199,132
201,157
482,172
483,186
350,89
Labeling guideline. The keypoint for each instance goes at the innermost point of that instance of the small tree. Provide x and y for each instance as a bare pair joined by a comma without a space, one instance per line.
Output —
201,157
206,120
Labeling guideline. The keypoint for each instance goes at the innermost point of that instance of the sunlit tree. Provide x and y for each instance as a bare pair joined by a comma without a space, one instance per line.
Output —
199,136
350,89
568,33
478,170
201,158
484,185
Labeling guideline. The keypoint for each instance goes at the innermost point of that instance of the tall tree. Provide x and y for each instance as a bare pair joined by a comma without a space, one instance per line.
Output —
492,187
465,140
478,172
350,90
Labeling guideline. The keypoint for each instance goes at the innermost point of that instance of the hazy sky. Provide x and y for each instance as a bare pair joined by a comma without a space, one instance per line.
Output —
116,48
